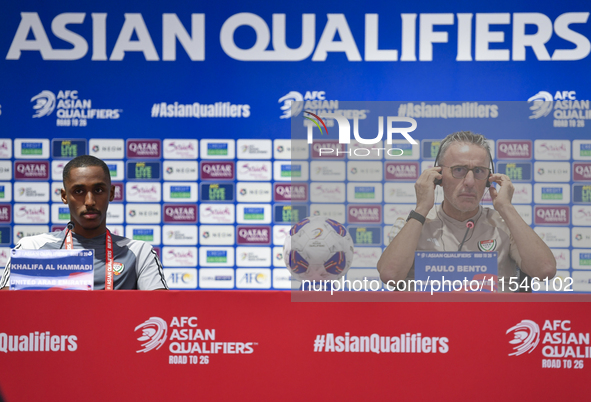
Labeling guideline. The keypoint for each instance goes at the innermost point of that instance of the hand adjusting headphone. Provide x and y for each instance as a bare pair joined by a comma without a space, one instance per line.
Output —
492,165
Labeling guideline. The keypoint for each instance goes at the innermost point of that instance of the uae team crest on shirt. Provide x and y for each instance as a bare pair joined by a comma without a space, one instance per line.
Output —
487,245
118,268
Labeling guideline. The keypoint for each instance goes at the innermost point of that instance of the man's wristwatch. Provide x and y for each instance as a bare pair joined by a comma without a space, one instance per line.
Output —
417,216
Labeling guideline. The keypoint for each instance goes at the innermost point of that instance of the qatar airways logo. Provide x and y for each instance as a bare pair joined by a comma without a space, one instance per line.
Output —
291,192
217,170
582,171
31,170
514,149
551,215
258,235
365,214
185,214
402,170
143,148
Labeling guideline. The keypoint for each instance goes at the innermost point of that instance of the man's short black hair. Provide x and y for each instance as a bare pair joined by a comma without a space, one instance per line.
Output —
84,161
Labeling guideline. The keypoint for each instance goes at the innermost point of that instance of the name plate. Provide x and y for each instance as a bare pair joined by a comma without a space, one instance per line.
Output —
456,271
52,269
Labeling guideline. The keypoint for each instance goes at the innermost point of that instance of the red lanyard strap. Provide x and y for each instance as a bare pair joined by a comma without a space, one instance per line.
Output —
109,257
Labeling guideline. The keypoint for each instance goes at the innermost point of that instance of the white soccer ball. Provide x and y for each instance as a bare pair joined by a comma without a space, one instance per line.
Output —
318,249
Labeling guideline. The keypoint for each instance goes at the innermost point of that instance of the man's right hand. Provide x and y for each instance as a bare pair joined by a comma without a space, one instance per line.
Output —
425,189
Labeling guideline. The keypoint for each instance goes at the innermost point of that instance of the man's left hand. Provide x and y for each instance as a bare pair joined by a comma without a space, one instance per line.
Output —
502,196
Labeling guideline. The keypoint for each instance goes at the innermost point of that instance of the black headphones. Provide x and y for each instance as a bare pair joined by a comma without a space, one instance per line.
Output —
492,165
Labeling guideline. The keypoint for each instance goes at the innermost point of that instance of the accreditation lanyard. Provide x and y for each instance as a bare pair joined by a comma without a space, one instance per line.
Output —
109,257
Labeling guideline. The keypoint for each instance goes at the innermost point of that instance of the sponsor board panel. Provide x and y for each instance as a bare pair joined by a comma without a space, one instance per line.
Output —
181,278
581,237
179,235
582,150
137,191
67,148
253,213
278,260
552,215
57,170
253,278
256,192
582,171
5,170
514,149
180,171
581,215
365,171
253,256
216,278
217,149
554,237
581,281
282,279
290,192
581,258
525,212
331,211
180,192
5,191
290,171
216,235
328,171
179,256
218,170
5,236
327,192
217,213
280,233
328,149
143,213
143,170
582,193
5,213
31,213
148,233
290,213
21,231
116,169
364,214
551,193
366,235
402,150
31,191
405,171
180,213
5,152
400,193
117,230
553,150
562,256
254,170
290,149
523,193
216,256
60,214
364,257
254,149
115,214
552,171
180,149
253,235
107,149
31,148
217,192
31,170
517,171
364,192
395,211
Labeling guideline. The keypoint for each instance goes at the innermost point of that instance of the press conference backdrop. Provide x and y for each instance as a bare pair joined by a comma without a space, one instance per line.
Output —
189,106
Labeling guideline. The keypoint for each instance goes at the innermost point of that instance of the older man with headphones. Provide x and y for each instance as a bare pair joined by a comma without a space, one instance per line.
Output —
464,169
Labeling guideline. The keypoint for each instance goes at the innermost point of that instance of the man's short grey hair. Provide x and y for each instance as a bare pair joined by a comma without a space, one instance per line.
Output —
467,137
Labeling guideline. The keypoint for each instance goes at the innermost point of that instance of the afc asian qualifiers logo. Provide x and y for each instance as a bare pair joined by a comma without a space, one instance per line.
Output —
45,103
527,337
542,106
153,334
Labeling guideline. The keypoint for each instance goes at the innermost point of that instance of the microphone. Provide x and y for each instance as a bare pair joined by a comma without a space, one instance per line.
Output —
69,227
469,225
